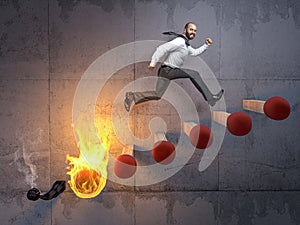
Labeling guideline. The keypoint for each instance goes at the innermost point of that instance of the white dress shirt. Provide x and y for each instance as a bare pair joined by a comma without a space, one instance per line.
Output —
175,52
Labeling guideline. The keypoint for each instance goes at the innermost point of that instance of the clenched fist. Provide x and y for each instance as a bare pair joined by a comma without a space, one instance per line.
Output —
150,67
208,41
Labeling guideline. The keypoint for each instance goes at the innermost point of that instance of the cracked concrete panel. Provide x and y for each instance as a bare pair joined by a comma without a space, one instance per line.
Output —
156,209
170,9
24,39
194,209
24,139
176,208
17,209
267,158
258,39
108,208
81,31
277,49
258,208
188,177
155,25
226,208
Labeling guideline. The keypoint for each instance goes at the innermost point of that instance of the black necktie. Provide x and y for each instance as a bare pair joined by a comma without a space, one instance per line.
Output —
178,35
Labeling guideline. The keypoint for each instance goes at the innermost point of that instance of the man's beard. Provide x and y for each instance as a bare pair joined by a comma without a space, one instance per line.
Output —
188,35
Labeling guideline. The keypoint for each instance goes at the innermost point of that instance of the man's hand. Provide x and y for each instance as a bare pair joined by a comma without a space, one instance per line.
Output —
208,41
150,67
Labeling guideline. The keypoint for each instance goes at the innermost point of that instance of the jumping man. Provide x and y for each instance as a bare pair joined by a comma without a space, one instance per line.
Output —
175,52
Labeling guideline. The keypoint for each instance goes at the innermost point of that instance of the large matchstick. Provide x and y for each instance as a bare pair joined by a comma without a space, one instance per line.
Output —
125,164
200,135
276,108
237,123
163,151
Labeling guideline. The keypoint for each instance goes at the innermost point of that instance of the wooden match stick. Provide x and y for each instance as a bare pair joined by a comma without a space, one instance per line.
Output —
127,150
188,126
125,164
160,136
221,117
200,135
163,151
276,107
238,123
254,105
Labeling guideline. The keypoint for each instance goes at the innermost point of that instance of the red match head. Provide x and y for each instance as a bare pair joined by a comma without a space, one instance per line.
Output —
201,136
239,123
277,108
163,152
125,166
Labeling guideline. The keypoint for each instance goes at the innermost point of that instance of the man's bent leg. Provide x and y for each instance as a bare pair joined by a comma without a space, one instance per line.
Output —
161,86
196,79
199,83
139,97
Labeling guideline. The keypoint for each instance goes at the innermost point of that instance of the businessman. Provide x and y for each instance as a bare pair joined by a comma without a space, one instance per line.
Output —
175,52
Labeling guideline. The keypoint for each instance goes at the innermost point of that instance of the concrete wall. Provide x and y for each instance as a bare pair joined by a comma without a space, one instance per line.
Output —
47,45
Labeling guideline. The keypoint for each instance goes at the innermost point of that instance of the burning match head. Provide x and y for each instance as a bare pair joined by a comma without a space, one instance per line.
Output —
277,108
201,136
239,123
33,194
125,166
86,179
163,152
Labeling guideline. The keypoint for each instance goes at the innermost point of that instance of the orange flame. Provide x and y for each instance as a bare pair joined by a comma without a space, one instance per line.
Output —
88,172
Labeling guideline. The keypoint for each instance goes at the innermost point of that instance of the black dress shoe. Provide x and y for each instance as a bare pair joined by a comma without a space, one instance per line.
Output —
215,98
128,100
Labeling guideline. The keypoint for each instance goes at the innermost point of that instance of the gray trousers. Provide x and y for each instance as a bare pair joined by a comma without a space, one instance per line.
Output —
165,75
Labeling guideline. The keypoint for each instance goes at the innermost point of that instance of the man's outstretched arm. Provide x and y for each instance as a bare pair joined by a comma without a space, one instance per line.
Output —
203,48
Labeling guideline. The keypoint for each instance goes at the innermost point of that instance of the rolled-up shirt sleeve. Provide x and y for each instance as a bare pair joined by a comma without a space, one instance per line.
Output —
197,51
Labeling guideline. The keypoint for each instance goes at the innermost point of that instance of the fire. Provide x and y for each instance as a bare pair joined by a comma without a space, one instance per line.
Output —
88,172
